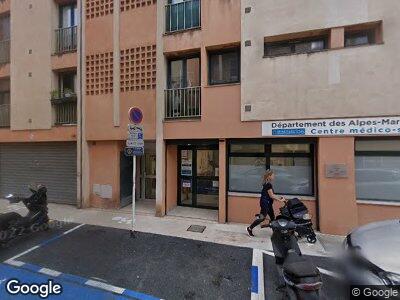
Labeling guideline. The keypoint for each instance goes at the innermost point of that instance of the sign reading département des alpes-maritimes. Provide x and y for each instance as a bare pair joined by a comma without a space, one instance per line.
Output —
333,127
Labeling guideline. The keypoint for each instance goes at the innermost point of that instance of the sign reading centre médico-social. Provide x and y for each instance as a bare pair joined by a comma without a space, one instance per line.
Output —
333,127
135,140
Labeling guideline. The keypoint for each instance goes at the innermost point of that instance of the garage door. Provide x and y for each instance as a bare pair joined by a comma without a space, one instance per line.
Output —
51,164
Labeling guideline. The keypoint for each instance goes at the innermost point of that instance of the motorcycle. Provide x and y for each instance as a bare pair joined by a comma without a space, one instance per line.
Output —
302,279
296,211
13,224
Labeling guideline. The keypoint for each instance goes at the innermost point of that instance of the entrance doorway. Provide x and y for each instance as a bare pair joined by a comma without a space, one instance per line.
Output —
148,177
198,182
145,179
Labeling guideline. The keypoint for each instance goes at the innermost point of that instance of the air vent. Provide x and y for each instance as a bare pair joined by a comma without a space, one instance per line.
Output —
247,43
247,108
247,10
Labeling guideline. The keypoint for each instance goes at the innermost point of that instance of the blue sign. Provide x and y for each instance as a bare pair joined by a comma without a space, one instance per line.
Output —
138,151
294,131
135,115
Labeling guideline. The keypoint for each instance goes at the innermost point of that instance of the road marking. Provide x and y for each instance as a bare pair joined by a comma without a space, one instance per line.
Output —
257,276
73,286
329,273
49,272
105,286
44,243
322,270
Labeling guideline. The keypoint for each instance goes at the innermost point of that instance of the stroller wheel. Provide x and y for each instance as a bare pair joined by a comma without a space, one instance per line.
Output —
312,238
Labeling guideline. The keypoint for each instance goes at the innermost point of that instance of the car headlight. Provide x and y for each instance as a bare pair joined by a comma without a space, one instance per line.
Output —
390,278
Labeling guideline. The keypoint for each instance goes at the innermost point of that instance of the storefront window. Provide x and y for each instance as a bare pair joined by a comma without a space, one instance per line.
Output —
293,175
292,163
378,170
245,173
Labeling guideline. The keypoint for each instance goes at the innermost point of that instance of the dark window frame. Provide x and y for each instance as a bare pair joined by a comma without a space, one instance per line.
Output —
221,52
184,60
292,44
370,32
268,154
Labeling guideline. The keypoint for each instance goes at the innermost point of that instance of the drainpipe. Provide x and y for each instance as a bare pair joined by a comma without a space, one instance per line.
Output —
80,110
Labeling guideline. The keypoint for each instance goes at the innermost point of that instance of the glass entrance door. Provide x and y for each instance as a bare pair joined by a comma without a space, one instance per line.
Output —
198,177
148,177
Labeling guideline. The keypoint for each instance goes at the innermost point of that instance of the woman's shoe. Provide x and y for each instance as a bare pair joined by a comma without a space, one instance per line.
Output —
250,232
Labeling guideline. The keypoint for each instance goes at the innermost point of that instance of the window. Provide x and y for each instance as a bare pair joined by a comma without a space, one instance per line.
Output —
184,72
4,97
68,16
5,28
378,170
358,38
182,15
295,46
292,163
67,84
224,67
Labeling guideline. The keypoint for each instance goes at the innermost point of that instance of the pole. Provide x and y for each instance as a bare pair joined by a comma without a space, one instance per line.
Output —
133,194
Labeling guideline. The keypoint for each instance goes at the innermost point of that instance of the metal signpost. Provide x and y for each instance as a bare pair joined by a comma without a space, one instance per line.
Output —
134,147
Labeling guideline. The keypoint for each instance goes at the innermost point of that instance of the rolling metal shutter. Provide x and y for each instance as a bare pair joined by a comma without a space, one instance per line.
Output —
51,164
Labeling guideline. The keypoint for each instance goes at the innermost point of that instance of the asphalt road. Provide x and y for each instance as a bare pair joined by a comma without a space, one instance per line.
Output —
148,266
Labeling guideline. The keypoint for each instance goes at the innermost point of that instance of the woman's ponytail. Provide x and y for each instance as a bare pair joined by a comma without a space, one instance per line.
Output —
267,175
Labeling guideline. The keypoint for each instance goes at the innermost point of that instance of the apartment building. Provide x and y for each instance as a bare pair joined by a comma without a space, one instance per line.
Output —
38,97
228,89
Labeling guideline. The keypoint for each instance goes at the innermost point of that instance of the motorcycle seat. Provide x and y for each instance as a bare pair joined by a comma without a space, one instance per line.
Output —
298,267
7,218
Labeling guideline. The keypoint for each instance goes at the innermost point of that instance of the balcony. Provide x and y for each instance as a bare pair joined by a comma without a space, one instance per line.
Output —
64,104
66,39
183,103
4,52
4,115
182,16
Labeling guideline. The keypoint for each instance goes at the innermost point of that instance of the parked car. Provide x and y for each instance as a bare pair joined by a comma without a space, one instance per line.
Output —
372,254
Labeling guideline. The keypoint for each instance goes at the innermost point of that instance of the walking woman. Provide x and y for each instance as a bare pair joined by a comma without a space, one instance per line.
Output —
266,201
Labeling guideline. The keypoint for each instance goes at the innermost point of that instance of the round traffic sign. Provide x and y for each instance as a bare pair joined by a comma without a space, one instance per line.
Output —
135,115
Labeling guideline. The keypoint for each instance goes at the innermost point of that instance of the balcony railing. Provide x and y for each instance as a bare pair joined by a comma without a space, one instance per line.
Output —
183,103
183,15
4,115
4,52
65,108
66,39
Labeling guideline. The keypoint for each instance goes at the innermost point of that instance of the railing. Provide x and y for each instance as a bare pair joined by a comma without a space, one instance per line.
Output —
4,115
65,109
182,15
183,103
4,52
66,39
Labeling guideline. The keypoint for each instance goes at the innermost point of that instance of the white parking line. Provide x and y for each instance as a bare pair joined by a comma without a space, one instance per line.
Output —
105,286
329,273
38,246
258,292
49,272
322,270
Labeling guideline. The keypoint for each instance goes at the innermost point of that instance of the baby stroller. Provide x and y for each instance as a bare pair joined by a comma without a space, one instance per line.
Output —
297,212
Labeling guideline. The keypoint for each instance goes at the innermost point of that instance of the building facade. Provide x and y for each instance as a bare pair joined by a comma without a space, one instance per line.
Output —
228,89
38,106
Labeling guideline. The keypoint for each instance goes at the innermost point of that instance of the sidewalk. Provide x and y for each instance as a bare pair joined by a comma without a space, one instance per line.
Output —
229,234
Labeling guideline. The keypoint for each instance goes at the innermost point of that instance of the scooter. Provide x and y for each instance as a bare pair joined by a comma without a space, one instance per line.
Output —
296,211
302,279
13,224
